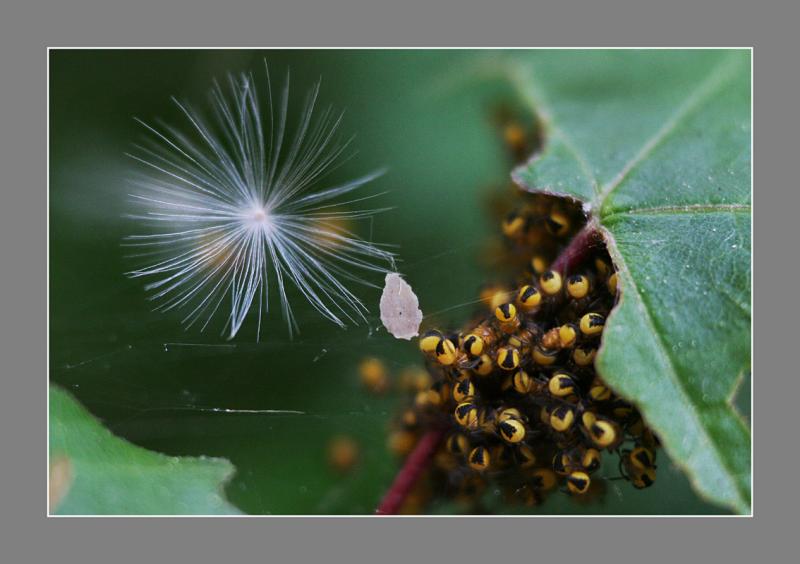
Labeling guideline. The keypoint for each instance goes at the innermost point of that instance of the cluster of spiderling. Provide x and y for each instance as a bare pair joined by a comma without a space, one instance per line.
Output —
516,389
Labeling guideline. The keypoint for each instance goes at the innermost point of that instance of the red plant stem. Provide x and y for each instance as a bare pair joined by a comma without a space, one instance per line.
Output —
578,249
574,254
415,464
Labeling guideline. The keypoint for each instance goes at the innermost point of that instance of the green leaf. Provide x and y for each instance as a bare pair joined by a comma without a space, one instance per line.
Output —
93,472
657,143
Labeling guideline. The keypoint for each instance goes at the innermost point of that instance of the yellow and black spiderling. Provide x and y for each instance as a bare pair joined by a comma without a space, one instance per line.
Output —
526,456
643,479
578,286
604,433
511,430
486,421
409,419
429,340
558,223
402,442
484,366
639,467
539,265
590,460
518,131
584,355
544,479
622,411
514,225
561,463
612,284
648,439
602,266
473,345
543,356
428,398
374,375
508,413
458,444
466,415
506,315
529,298
642,458
508,358
599,391
561,385
550,283
562,418
523,383
592,324
523,337
445,352
516,137
578,482
479,459
567,335
463,390
343,453
516,390
444,390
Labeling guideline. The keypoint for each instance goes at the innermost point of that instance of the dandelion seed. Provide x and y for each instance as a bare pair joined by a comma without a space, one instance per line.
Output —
234,208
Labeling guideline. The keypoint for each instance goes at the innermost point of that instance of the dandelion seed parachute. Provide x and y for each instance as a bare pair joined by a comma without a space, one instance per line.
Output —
233,207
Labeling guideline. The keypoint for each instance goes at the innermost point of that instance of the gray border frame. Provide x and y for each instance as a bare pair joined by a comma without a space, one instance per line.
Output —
24,35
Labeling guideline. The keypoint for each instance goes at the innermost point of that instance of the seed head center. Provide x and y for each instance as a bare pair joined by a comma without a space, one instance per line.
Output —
259,218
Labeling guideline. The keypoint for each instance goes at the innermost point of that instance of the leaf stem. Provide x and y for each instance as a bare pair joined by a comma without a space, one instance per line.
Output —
414,466
578,249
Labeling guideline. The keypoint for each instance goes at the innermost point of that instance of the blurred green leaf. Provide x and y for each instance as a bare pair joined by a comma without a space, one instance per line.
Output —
658,144
93,472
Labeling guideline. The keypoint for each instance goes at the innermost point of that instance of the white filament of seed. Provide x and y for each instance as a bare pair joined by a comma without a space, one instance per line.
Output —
232,208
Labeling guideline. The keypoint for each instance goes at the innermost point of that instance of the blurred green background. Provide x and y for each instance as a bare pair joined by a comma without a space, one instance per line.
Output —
426,115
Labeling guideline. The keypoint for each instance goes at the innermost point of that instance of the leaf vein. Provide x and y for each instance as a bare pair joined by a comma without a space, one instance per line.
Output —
718,77
674,210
